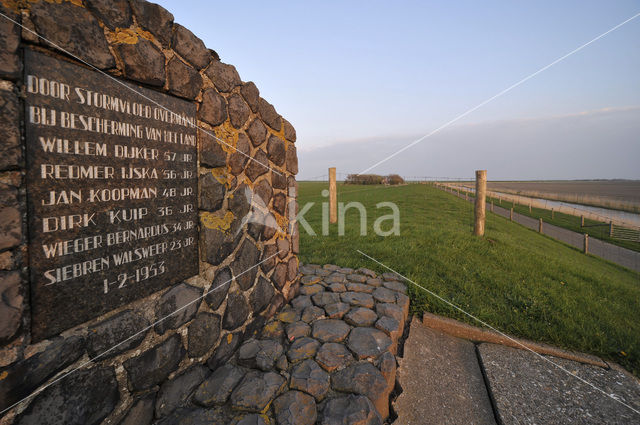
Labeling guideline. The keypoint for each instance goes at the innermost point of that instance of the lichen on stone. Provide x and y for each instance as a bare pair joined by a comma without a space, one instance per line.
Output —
217,222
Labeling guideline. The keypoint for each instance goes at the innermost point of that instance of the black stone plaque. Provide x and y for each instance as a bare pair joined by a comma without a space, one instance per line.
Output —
111,188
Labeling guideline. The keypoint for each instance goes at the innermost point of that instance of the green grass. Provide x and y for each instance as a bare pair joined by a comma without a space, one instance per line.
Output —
515,279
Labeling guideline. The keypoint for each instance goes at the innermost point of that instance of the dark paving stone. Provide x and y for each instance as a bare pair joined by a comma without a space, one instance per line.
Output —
236,312
256,390
203,333
141,411
116,334
190,47
184,300
359,316
84,397
391,310
295,408
297,330
337,287
330,330
247,353
74,29
224,76
368,342
389,325
113,13
154,366
358,299
357,278
388,366
251,94
384,295
190,416
183,80
273,329
312,313
217,388
243,265
228,346
396,286
219,288
301,302
175,392
302,348
441,381
365,379
311,289
335,278
156,19
22,378
213,109
366,272
336,310
528,389
252,419
376,282
350,410
390,276
143,62
325,298
332,356
359,287
288,315
307,376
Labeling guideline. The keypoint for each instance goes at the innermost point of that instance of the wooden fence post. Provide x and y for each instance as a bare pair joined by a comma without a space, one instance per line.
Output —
611,229
491,206
581,221
540,225
511,214
586,243
333,196
529,206
481,194
552,213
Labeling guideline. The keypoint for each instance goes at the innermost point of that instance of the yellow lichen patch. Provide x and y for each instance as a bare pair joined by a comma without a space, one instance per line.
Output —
3,375
221,174
229,338
271,327
283,224
125,36
217,222
227,134
128,35
265,418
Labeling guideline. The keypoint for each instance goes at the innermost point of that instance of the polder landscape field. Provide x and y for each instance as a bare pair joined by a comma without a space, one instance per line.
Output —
522,283
617,194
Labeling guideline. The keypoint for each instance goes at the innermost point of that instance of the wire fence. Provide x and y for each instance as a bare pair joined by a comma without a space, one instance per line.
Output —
616,254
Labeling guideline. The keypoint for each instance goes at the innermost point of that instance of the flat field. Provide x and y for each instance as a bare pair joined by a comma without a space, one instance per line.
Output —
616,194
517,280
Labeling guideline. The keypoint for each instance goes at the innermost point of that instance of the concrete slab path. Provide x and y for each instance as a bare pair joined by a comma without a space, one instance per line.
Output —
441,380
450,380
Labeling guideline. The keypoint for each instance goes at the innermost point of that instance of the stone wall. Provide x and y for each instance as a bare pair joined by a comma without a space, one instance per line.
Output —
247,214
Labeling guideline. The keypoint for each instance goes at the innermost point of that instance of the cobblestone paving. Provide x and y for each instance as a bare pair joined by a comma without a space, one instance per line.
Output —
328,357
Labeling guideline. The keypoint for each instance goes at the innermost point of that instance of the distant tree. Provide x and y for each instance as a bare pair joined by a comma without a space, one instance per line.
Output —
364,179
394,179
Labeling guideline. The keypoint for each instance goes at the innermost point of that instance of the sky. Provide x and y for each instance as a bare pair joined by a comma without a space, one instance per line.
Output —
367,78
